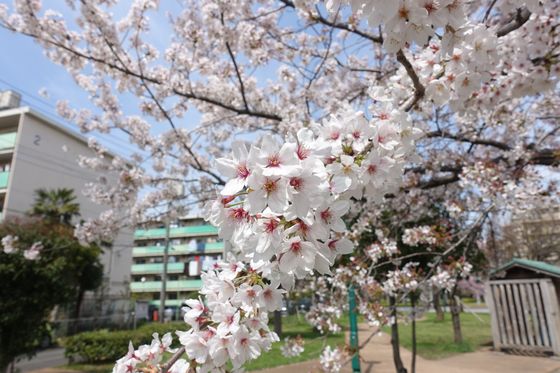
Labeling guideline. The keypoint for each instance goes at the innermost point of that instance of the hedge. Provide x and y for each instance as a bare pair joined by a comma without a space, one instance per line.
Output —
104,345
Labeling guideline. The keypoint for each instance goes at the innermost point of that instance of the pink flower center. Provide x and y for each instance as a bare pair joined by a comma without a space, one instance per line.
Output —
295,247
273,161
242,171
335,135
270,226
251,293
238,213
302,152
269,186
372,169
296,182
356,134
326,215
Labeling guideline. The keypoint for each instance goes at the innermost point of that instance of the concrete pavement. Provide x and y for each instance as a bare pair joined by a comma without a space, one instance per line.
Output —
51,357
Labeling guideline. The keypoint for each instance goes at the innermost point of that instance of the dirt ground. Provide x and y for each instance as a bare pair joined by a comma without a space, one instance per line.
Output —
377,358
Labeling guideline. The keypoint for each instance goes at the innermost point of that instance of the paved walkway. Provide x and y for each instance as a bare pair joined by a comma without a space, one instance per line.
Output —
51,357
378,358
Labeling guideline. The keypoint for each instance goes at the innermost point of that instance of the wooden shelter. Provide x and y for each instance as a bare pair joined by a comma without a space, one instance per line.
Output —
523,299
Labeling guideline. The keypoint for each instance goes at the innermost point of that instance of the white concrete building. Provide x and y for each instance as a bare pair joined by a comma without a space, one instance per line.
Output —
37,153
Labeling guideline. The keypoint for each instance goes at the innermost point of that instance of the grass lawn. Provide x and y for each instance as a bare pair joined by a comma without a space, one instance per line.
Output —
292,326
435,338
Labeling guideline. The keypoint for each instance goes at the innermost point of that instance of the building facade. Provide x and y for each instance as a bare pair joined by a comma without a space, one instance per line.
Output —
193,247
36,152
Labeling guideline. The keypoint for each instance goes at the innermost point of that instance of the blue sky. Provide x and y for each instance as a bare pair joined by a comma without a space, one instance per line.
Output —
25,68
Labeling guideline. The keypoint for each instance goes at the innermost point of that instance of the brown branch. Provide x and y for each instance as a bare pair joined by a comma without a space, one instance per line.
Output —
125,70
419,89
165,367
461,138
339,25
237,72
521,16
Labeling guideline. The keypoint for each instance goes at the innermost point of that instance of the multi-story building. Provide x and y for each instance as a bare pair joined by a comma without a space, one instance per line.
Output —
36,152
533,234
193,247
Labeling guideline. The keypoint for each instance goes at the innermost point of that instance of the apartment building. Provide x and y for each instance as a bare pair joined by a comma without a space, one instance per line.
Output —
193,247
36,152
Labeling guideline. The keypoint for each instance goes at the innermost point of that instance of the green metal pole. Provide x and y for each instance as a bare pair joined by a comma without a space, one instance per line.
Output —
354,330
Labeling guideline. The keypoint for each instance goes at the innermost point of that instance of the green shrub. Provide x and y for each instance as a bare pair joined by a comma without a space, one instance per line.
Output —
104,345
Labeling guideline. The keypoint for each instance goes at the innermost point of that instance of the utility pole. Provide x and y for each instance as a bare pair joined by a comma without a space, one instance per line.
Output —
164,274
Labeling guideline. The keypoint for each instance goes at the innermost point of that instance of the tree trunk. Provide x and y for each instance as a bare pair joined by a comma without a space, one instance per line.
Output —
77,310
437,304
455,318
413,314
399,366
278,323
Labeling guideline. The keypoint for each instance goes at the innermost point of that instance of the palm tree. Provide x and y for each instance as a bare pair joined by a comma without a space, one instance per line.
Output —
57,205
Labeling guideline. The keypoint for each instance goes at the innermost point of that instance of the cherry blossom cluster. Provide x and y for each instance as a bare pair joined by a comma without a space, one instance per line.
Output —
424,234
149,356
383,249
332,359
10,246
284,203
404,279
292,347
446,276
408,22
231,325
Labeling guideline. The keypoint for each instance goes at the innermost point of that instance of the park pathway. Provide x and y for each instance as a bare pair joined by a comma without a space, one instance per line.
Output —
51,357
377,358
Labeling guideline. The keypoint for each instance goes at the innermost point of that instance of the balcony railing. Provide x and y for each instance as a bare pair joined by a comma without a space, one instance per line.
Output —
148,268
7,140
189,231
4,176
209,248
155,286
168,302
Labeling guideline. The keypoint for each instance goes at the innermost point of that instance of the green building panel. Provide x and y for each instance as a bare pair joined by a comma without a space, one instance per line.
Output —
189,231
4,176
155,286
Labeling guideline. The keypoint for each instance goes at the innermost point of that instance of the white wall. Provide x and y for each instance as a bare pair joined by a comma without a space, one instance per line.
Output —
46,157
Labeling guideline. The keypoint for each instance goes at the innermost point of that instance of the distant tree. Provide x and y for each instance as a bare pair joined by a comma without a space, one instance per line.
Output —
57,205
32,285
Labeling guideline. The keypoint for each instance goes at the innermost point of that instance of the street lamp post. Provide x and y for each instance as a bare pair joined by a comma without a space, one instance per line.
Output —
179,191
162,293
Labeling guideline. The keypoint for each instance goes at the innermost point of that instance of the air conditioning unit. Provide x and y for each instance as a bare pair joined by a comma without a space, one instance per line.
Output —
9,100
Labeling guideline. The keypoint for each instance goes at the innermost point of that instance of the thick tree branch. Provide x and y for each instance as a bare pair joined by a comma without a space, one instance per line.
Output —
521,16
419,89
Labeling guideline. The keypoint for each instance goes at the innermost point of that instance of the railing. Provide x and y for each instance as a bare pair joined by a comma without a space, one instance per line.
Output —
148,268
155,286
168,302
193,230
4,176
210,248
7,140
